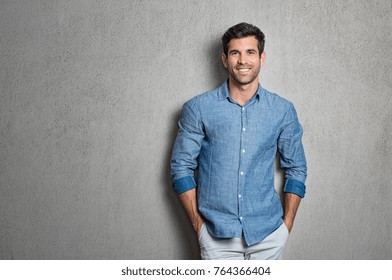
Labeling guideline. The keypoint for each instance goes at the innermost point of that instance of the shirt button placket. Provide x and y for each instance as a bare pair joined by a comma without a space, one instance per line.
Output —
242,172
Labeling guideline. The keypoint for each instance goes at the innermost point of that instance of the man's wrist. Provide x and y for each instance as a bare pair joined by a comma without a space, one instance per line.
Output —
197,225
289,223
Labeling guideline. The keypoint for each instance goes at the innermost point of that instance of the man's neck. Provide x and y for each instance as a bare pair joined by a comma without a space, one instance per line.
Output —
242,93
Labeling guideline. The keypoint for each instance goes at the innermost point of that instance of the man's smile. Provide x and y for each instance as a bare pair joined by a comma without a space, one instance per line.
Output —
244,70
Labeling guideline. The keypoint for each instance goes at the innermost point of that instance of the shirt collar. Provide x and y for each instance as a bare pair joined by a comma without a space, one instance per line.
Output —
224,93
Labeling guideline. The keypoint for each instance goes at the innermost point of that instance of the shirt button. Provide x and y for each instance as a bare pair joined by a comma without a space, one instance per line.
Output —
243,109
240,218
243,151
242,173
243,129
239,196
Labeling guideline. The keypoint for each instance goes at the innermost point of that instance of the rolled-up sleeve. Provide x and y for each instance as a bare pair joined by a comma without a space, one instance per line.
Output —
186,148
292,155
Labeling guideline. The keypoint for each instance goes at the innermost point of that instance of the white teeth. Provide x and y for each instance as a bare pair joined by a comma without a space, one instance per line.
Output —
244,70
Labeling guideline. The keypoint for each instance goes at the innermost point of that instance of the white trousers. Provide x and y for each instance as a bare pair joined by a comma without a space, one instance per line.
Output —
271,248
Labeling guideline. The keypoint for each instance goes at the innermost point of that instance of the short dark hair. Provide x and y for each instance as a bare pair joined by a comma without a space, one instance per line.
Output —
242,30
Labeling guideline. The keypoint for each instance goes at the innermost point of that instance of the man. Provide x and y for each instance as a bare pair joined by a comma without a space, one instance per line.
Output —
231,135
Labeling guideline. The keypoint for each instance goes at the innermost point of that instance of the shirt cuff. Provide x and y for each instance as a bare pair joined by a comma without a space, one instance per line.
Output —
296,187
184,184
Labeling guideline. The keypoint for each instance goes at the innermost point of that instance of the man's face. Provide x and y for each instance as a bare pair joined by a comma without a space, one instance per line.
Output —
243,60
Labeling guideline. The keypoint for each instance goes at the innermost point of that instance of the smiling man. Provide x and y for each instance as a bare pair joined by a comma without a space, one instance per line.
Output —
231,136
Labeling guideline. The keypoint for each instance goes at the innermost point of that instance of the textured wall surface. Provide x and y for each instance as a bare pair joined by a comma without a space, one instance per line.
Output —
90,96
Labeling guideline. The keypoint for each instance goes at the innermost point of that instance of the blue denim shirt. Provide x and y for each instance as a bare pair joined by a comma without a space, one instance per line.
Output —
234,149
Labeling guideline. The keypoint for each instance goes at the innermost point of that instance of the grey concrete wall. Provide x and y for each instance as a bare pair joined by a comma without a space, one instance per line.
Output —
90,96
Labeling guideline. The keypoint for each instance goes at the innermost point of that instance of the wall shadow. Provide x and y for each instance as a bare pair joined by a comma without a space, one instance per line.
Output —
279,178
218,72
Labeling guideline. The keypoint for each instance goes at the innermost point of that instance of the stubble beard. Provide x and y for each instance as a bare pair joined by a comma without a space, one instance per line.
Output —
242,82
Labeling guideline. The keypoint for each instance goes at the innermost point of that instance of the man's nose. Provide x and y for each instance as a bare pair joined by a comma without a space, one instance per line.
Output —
241,59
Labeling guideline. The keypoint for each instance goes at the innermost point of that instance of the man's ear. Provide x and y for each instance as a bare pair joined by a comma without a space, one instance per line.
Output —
262,58
224,60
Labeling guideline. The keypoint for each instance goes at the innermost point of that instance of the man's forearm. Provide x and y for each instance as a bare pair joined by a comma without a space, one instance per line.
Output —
189,202
291,204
